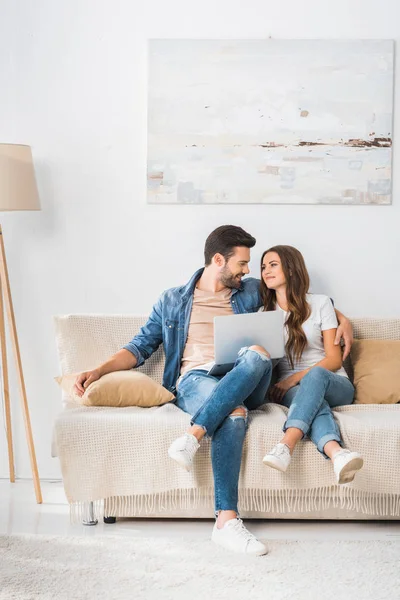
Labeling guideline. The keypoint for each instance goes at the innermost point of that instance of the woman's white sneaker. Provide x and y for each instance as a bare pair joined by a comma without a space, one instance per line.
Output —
234,536
346,464
279,458
183,449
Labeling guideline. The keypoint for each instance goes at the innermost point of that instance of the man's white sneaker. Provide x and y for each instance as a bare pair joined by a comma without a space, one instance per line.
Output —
183,449
234,536
279,458
346,464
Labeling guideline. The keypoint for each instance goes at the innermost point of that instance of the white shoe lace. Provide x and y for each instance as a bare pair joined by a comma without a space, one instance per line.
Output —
191,444
281,450
186,443
242,531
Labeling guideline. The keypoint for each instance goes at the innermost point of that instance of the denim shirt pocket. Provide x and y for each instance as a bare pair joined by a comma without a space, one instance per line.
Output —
170,328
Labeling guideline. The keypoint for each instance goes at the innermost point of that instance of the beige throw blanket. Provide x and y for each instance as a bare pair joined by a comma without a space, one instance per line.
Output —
116,454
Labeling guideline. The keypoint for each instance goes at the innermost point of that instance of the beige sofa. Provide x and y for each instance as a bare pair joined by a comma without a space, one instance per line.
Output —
114,460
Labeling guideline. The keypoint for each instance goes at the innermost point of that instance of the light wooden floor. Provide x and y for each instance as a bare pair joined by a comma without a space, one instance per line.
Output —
19,514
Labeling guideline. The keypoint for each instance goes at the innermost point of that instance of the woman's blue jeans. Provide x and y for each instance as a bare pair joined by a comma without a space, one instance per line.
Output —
211,400
310,405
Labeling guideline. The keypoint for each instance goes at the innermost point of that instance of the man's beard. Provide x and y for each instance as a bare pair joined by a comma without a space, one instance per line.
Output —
229,280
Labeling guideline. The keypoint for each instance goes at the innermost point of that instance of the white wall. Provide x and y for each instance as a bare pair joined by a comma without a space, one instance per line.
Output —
73,86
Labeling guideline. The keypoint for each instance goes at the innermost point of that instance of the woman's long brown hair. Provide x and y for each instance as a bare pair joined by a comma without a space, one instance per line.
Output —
297,286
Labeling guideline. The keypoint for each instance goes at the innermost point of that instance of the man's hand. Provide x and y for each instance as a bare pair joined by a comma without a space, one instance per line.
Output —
84,380
345,331
278,390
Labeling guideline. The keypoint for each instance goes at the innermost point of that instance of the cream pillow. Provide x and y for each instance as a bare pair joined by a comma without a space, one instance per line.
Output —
120,388
376,365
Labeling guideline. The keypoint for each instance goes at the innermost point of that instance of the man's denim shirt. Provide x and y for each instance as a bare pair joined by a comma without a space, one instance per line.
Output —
169,320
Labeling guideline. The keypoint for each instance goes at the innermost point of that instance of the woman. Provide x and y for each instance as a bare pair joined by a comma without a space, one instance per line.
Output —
311,378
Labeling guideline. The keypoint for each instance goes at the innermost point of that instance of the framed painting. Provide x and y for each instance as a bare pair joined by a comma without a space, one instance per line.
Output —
270,121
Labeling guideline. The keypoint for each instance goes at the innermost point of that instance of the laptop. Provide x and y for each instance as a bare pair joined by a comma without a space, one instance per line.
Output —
233,332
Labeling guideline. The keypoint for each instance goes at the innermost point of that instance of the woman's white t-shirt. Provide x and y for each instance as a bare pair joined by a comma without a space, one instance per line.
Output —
322,317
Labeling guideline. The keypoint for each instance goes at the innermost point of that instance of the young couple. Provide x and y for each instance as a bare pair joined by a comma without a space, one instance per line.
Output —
311,379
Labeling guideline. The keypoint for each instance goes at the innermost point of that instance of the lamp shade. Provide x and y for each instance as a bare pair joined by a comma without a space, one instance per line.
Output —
18,190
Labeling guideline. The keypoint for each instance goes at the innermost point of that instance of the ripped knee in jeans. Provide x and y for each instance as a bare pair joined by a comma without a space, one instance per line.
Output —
262,352
239,413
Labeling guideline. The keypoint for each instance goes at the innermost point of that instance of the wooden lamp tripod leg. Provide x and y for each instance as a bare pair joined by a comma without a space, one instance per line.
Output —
24,401
6,393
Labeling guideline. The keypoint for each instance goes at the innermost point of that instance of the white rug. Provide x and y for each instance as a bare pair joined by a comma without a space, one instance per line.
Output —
119,568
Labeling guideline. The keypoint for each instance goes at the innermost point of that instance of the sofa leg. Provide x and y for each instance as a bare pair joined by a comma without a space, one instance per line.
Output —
109,520
88,512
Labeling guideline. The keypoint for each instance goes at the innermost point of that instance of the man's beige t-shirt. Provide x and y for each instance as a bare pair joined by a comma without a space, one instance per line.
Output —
199,348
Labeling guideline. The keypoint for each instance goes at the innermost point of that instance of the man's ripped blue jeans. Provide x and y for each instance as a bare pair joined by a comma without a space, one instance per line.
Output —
211,400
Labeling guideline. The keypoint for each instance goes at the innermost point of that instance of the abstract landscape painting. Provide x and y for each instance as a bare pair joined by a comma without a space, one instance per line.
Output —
270,121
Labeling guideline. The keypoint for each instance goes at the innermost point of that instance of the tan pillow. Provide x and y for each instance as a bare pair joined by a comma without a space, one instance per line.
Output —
376,366
121,388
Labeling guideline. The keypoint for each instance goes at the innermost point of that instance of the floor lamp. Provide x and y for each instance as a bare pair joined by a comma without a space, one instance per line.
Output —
18,191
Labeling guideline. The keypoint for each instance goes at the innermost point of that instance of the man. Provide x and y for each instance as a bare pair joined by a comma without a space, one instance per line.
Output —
182,320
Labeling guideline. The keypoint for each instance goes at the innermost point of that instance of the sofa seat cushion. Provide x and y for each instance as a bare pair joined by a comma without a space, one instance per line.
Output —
110,452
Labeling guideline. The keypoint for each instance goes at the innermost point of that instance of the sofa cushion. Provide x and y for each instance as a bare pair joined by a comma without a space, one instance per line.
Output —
121,388
376,365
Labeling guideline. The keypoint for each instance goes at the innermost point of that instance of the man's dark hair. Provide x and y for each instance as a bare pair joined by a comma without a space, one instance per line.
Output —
224,240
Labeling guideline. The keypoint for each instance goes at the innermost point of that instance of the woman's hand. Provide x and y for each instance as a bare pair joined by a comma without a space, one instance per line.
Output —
277,392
